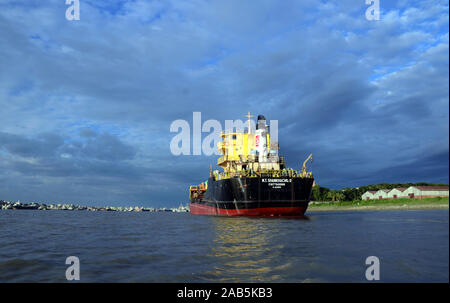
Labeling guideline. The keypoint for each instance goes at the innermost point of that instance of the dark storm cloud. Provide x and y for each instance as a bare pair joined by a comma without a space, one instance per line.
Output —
43,146
432,166
102,147
86,106
50,155
96,146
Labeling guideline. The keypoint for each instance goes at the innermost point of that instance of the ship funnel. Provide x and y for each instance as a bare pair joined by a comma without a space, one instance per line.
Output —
261,124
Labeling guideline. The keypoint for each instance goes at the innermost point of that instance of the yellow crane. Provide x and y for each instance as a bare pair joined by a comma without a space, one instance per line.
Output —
304,171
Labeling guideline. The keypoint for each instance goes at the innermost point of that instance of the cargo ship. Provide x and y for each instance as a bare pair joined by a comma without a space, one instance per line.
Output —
255,180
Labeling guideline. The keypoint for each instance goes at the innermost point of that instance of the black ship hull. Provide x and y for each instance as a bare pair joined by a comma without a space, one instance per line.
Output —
254,196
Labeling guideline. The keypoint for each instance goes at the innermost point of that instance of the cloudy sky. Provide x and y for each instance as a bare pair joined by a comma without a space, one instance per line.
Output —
86,106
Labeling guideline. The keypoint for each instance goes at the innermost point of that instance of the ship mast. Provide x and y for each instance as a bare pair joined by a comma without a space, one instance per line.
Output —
249,125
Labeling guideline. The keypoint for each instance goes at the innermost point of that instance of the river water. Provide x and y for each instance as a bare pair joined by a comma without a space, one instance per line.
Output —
411,245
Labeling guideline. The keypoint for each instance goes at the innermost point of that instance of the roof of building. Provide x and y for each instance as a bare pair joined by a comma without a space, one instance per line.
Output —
401,188
431,187
385,190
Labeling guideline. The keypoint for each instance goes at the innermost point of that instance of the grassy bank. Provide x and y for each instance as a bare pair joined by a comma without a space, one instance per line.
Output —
385,204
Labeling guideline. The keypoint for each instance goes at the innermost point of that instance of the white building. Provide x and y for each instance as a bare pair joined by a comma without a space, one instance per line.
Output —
398,192
381,194
410,192
426,191
368,195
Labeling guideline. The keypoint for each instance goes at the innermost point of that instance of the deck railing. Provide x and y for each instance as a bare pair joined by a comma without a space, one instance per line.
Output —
291,173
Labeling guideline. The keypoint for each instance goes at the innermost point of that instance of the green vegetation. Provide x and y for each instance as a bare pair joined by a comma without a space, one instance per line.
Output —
426,203
320,193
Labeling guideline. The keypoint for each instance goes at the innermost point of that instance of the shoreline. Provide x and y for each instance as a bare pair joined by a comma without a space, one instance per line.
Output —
385,204
7,205
315,206
379,207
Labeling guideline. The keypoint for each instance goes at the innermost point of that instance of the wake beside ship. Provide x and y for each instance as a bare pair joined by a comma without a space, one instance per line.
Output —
254,181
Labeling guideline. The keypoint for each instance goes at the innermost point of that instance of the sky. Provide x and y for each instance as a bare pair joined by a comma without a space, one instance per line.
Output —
86,105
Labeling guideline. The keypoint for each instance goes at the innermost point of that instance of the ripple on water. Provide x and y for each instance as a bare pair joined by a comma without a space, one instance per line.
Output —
17,269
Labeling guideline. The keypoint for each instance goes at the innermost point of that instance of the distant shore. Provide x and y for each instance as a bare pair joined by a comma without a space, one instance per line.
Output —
7,205
385,204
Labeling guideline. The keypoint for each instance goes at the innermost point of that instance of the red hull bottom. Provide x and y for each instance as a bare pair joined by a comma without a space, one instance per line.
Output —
198,209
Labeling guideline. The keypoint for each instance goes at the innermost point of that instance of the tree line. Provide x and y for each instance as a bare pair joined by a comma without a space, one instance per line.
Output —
320,193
